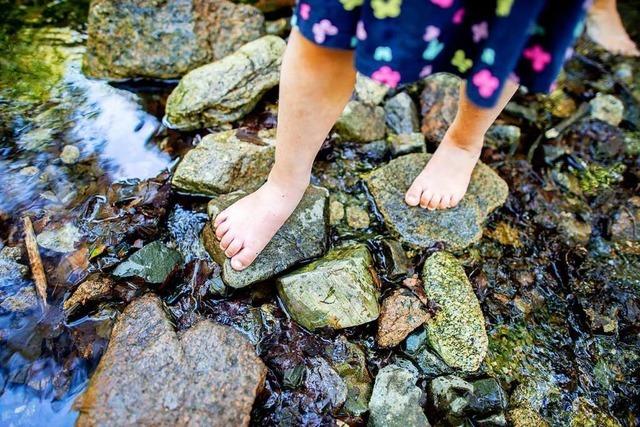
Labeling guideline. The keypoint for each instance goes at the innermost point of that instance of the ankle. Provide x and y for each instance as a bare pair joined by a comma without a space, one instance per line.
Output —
464,140
288,179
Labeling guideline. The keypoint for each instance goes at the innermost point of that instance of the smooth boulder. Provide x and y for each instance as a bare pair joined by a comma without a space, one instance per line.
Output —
151,375
226,90
224,162
302,237
457,228
456,331
164,40
338,290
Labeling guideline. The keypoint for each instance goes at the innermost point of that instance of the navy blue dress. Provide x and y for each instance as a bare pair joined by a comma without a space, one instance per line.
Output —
484,41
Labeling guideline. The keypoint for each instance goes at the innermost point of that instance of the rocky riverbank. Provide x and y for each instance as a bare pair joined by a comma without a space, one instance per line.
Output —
519,307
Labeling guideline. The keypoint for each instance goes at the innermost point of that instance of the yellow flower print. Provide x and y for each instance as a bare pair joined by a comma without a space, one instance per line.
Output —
351,4
386,8
504,7
461,61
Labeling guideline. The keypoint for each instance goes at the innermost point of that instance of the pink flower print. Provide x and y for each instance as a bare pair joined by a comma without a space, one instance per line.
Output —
426,71
443,3
480,31
431,33
361,33
387,76
323,29
458,17
539,57
514,78
305,10
486,83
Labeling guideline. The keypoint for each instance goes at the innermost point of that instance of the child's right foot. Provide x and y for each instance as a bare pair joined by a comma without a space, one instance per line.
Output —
605,27
247,226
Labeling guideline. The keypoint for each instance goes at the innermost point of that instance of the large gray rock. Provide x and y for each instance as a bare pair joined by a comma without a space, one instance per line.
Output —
421,228
438,105
303,236
154,263
402,114
395,401
164,39
338,290
456,332
224,162
360,122
226,90
151,375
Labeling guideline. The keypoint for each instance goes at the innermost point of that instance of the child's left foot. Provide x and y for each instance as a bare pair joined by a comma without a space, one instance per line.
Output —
444,180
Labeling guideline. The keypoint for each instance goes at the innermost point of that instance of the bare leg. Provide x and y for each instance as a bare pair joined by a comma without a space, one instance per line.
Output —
605,27
315,85
444,180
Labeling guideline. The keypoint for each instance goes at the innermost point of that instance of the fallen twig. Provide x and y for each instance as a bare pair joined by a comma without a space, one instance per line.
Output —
37,270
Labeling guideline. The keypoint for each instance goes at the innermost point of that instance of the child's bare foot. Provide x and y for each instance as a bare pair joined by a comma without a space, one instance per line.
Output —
444,180
245,227
605,27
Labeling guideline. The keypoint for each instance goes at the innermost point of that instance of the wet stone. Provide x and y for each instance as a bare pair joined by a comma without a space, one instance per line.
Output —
349,361
438,105
396,263
357,217
303,236
422,228
336,212
360,122
607,108
164,40
401,313
151,375
416,346
456,332
369,91
395,401
401,114
338,290
228,89
503,136
626,225
154,263
224,162
525,417
70,154
93,289
406,143
326,383
10,268
61,239
22,301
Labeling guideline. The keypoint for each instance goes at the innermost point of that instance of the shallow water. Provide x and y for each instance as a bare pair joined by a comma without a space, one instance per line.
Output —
546,299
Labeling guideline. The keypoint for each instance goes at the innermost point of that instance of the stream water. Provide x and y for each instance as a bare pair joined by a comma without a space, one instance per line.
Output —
563,317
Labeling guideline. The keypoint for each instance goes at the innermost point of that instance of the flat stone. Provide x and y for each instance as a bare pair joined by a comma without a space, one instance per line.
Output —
401,313
303,236
151,375
228,89
93,289
154,263
456,332
401,114
395,401
224,162
62,239
361,122
164,40
406,143
338,290
421,228
438,105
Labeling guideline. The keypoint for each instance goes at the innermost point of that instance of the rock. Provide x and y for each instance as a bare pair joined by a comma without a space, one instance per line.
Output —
421,228
525,417
488,397
70,154
336,212
607,108
586,414
438,105
506,235
22,301
304,236
395,401
224,162
268,5
62,239
572,229
401,313
357,217
349,361
325,381
457,399
396,263
278,27
369,91
503,136
164,40
401,114
360,122
456,332
94,288
226,90
450,395
338,290
430,364
154,263
406,143
626,225
10,268
151,375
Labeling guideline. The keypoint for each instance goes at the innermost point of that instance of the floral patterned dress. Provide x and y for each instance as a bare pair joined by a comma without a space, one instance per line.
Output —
484,41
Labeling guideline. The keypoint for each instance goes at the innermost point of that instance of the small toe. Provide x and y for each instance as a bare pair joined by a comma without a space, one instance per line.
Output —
435,202
234,247
425,199
412,196
226,240
445,202
222,229
243,259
